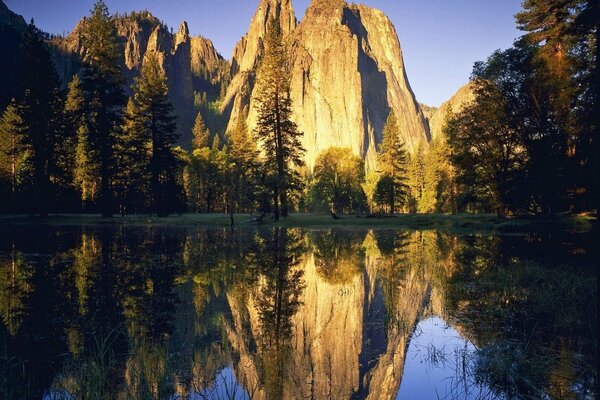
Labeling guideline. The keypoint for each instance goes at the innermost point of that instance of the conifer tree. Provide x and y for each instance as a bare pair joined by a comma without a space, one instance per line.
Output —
14,153
200,133
416,178
243,155
392,164
41,115
151,118
277,133
102,84
438,185
86,166
133,153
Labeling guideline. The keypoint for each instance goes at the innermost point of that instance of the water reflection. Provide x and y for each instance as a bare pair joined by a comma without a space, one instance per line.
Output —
151,313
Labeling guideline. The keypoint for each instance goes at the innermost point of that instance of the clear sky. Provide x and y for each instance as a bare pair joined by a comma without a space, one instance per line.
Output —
441,39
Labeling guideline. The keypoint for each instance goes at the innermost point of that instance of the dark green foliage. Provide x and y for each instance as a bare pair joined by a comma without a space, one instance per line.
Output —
392,166
41,112
338,176
149,137
15,155
102,84
275,131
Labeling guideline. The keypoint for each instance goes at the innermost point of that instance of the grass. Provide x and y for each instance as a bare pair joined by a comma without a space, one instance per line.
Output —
444,222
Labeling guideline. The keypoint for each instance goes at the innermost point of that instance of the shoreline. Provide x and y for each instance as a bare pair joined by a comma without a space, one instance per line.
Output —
443,222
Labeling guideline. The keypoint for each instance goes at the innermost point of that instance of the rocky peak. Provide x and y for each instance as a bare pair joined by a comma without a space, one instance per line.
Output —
249,49
325,5
182,36
248,53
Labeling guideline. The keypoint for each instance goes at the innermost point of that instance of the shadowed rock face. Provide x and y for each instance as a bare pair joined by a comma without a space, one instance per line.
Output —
462,97
347,74
191,63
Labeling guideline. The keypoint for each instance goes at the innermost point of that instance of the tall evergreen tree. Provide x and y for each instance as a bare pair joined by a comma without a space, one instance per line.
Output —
133,157
152,118
587,30
102,83
416,178
200,133
277,133
243,155
392,164
14,154
438,185
42,115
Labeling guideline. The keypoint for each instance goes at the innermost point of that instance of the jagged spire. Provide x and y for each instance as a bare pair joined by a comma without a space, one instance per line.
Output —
247,52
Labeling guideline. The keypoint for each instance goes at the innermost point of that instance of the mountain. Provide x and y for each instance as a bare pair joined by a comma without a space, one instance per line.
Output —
192,64
346,67
347,74
463,96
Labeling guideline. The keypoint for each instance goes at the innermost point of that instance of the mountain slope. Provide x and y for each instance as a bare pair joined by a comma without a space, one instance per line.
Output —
463,96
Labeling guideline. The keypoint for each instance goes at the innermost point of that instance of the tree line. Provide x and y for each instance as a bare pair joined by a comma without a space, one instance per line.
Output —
526,144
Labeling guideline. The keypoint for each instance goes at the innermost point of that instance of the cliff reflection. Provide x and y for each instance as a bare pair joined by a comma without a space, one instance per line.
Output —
142,313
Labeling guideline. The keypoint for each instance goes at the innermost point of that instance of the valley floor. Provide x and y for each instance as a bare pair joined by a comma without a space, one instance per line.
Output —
460,223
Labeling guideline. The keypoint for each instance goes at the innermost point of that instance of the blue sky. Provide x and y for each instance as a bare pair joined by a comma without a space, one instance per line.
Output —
441,39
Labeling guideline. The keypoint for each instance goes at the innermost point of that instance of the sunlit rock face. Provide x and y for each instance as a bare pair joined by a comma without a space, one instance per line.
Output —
247,55
188,61
462,97
347,74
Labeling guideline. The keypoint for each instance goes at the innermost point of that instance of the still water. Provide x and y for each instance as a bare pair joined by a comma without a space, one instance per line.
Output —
279,313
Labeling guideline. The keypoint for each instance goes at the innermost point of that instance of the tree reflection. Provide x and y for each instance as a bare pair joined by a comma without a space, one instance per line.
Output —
528,318
277,299
338,257
15,287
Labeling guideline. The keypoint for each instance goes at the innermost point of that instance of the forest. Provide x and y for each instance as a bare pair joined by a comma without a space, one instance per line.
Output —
526,145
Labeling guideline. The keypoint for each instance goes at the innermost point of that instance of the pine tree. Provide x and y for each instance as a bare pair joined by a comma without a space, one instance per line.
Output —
392,164
133,157
416,178
548,23
42,115
102,84
200,133
243,155
14,152
74,120
152,119
277,133
437,179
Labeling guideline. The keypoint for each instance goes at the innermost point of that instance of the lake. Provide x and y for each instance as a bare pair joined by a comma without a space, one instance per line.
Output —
272,313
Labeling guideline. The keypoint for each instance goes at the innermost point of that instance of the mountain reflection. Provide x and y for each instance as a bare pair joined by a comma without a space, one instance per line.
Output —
152,313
